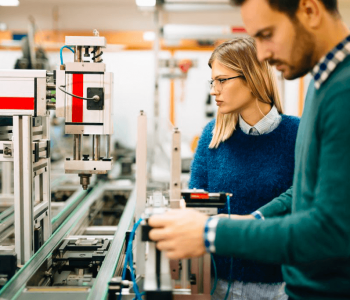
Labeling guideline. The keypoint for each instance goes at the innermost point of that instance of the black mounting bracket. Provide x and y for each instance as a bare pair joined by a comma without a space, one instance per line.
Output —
93,104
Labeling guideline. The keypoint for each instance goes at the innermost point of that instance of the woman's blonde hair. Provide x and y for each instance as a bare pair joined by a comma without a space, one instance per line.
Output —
240,55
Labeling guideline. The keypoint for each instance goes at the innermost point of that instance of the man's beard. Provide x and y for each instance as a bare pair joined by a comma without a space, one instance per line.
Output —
302,60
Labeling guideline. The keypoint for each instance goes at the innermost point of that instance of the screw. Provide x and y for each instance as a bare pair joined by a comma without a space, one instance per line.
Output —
7,151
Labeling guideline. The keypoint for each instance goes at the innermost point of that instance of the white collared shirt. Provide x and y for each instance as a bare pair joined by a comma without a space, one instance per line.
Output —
266,125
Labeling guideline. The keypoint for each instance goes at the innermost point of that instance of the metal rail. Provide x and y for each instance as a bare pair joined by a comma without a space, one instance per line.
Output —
7,217
16,285
100,287
6,213
71,203
6,223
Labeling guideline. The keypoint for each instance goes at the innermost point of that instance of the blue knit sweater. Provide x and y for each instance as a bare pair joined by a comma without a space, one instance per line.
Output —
255,169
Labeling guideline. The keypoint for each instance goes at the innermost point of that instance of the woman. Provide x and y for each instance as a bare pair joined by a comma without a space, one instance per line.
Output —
247,151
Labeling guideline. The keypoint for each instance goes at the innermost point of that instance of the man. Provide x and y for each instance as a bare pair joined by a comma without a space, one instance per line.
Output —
307,229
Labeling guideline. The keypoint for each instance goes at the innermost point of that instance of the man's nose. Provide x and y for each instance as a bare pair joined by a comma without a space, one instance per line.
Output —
263,52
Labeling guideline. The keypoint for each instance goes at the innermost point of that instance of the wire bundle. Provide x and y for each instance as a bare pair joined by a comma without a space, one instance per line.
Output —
62,50
129,260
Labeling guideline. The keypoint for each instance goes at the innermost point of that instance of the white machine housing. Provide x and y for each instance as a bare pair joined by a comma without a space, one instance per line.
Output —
77,78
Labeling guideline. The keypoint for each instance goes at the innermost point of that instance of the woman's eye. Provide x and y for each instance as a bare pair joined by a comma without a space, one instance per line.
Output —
222,80
267,36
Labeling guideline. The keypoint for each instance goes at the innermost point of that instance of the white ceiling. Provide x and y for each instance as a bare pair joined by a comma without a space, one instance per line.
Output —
116,2
115,15
82,2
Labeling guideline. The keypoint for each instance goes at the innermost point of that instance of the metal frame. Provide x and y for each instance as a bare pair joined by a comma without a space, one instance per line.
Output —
141,187
32,196
16,287
6,196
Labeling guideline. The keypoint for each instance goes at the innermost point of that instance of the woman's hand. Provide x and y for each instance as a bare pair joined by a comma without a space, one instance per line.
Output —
237,217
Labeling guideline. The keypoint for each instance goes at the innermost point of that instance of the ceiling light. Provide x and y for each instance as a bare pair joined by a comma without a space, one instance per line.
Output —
9,2
144,2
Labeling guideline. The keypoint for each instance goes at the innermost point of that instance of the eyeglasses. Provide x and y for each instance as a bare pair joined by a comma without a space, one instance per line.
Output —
219,85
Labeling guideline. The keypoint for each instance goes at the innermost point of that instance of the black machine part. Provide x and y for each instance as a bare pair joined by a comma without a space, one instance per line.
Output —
93,104
8,263
200,198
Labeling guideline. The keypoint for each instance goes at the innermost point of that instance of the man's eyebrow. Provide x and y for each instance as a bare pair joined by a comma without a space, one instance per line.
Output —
260,32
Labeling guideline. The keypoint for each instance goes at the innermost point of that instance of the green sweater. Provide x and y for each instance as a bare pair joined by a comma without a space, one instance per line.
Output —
307,229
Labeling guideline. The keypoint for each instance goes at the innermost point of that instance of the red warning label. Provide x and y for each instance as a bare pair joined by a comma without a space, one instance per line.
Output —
199,196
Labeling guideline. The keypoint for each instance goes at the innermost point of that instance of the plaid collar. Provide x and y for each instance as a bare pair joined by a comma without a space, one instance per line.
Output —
329,62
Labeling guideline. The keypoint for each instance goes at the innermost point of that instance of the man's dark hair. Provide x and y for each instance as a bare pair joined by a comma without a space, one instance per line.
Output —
290,7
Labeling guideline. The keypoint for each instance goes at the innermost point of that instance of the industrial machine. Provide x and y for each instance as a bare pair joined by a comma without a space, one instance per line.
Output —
93,247
154,275
82,93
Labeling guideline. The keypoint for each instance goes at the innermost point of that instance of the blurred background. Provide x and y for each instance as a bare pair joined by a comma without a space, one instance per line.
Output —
157,50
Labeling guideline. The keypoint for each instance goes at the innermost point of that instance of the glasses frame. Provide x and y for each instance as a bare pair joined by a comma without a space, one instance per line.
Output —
221,81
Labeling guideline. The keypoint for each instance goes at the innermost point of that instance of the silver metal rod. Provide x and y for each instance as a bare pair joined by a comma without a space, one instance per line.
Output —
141,186
108,146
77,54
96,147
184,274
175,169
77,147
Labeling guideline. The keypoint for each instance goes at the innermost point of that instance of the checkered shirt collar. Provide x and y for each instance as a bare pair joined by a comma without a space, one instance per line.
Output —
329,62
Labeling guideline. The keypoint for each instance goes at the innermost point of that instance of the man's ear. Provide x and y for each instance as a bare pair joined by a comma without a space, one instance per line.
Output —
310,13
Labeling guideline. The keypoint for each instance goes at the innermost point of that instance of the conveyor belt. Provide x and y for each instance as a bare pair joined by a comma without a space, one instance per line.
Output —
15,286
100,287
71,203
7,217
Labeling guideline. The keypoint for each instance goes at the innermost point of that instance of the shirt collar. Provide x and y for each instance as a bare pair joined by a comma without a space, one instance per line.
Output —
329,62
263,125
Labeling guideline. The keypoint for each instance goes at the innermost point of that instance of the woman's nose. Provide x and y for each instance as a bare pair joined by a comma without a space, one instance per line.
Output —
213,91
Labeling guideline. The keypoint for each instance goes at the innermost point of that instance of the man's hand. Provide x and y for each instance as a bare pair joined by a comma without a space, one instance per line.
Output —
237,217
179,232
